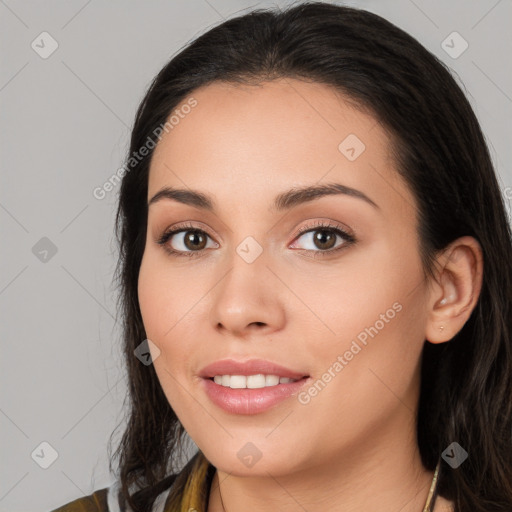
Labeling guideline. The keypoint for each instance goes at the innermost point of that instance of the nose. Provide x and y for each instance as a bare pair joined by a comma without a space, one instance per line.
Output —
249,299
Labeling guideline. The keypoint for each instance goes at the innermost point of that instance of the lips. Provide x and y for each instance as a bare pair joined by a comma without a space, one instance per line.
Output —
250,367
250,401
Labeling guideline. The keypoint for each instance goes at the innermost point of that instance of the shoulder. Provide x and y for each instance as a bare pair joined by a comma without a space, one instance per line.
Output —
106,499
95,502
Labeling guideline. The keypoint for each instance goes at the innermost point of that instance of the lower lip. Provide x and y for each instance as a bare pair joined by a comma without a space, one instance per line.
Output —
250,401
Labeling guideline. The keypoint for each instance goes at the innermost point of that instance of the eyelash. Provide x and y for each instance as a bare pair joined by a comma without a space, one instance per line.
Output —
321,225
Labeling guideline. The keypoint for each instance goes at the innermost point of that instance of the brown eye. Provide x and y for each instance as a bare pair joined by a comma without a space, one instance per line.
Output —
324,239
194,240
185,241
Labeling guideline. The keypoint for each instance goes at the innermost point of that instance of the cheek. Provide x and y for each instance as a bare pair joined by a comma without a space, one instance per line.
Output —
377,312
163,296
172,314
161,309
367,373
366,288
150,289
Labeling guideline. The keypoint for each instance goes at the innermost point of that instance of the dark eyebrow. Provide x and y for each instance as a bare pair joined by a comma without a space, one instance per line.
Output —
300,195
283,201
185,196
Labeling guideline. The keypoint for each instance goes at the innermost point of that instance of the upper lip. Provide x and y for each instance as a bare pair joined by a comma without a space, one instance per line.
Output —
250,367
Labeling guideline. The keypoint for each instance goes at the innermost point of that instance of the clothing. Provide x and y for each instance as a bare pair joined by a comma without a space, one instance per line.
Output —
189,491
105,500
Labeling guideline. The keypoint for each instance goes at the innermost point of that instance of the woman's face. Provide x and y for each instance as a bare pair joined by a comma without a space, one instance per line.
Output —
346,314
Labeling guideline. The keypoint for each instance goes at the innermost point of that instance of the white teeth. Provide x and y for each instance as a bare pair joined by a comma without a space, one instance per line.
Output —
250,381
237,381
256,381
271,380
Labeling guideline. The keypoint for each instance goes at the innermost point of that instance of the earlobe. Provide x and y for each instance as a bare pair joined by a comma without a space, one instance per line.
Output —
456,289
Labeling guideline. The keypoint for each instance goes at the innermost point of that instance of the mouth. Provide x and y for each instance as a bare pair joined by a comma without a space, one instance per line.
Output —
253,373
247,401
255,381
252,386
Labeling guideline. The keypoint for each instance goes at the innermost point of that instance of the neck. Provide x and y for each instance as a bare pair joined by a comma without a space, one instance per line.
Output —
383,472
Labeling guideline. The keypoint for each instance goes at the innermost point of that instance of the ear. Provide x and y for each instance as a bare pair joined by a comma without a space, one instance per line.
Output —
455,289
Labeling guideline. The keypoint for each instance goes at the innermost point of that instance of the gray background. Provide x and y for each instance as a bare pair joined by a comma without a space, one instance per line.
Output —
65,128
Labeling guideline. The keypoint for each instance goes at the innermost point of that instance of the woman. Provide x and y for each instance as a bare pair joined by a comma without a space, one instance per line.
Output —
315,258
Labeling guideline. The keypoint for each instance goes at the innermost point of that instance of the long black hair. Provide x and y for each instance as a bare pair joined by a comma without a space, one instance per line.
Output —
440,152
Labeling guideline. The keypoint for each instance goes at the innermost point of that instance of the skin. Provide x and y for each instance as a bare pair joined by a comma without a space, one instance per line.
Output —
353,446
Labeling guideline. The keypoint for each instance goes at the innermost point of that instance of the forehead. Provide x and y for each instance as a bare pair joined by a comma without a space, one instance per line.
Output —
269,119
242,141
